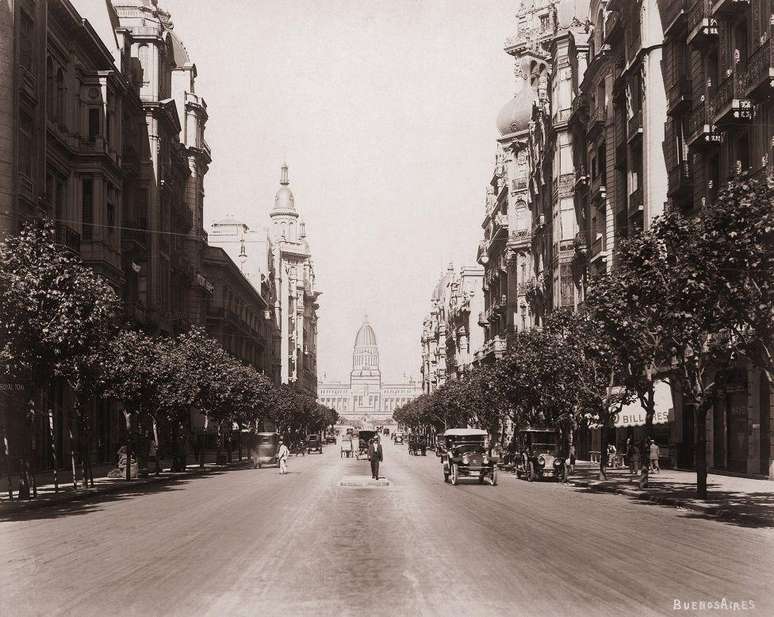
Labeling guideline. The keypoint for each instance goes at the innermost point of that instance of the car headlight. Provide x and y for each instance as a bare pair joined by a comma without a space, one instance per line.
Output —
465,459
557,462
541,461
485,459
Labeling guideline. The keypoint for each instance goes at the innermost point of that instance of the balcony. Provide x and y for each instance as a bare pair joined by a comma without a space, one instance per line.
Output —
679,96
581,246
702,131
520,236
581,179
730,7
598,190
634,127
673,13
597,121
702,26
518,184
679,180
757,79
67,238
579,110
731,105
501,220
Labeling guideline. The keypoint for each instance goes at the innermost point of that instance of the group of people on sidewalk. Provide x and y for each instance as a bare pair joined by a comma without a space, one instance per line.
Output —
632,455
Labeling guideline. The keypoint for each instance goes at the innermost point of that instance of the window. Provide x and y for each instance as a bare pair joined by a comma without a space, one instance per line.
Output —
26,42
26,145
87,208
50,90
93,123
60,96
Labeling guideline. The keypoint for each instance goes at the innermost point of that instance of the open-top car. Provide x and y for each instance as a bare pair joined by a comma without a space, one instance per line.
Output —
466,455
540,454
313,444
417,444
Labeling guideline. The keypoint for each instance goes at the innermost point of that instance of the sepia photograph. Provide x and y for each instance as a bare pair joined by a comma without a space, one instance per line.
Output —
398,308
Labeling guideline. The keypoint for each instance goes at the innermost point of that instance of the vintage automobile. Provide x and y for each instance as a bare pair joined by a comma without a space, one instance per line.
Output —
363,440
417,444
330,438
264,450
540,455
466,454
397,438
313,444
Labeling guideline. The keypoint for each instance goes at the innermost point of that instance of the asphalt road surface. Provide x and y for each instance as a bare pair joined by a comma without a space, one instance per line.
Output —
252,542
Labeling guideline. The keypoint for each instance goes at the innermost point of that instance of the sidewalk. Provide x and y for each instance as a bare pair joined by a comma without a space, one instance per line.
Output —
103,485
744,501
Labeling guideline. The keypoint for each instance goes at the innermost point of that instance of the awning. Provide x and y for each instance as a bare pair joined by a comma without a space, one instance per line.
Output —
634,415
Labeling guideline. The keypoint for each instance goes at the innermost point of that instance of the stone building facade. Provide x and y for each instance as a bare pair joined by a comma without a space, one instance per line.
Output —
450,335
365,397
295,306
102,130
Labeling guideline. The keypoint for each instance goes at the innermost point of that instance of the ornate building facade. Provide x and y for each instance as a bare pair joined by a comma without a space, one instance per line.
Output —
450,335
366,398
295,306
531,221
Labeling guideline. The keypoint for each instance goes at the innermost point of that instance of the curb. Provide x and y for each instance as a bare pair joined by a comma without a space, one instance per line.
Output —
87,493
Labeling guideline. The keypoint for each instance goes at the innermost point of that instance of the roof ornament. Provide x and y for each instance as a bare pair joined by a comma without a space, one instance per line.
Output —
284,175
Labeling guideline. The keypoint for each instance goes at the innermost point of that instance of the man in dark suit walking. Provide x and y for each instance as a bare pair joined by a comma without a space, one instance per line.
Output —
375,455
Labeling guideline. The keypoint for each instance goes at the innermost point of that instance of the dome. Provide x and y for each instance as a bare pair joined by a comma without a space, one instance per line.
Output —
365,336
284,199
516,113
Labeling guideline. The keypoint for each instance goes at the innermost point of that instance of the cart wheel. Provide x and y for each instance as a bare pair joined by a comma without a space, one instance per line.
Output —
445,476
455,474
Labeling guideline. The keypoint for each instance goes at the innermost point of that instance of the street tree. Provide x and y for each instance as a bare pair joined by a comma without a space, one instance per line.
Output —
54,311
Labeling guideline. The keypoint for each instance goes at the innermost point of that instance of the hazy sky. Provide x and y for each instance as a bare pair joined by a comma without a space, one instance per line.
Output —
385,112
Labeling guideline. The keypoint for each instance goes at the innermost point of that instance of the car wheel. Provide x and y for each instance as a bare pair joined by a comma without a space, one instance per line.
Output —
530,473
494,477
455,474
481,478
445,476
260,465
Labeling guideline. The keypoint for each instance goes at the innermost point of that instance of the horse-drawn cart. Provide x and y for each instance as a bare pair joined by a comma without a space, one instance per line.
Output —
345,441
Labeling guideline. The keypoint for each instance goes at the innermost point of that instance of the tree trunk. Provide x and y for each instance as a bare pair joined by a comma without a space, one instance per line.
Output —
239,441
128,416
649,404
54,458
701,450
73,464
158,445
8,466
218,446
603,443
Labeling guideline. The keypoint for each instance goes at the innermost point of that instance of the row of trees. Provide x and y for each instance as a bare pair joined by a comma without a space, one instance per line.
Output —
61,323
686,301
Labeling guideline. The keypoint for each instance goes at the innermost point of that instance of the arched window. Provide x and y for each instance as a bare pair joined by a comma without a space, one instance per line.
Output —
50,89
60,96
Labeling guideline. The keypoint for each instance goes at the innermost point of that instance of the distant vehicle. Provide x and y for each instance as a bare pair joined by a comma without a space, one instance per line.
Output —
417,444
386,431
345,442
364,439
466,455
540,455
397,438
330,438
264,450
313,444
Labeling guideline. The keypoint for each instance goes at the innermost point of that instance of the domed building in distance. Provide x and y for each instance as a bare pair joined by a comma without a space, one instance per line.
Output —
366,398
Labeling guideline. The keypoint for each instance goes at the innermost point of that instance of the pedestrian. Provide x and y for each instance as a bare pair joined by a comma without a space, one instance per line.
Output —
282,456
153,454
376,456
654,457
633,451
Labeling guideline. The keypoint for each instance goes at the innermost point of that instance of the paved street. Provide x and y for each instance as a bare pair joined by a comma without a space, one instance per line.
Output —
250,542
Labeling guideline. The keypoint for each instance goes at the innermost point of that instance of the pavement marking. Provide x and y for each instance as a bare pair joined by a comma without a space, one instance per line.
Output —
363,482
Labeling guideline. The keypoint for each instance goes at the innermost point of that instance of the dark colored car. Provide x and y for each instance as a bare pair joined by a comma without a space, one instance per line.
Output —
466,456
363,440
313,444
398,438
540,455
330,438
417,444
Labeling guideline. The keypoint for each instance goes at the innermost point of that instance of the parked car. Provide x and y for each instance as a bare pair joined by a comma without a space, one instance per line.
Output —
313,444
264,450
540,455
330,438
466,455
